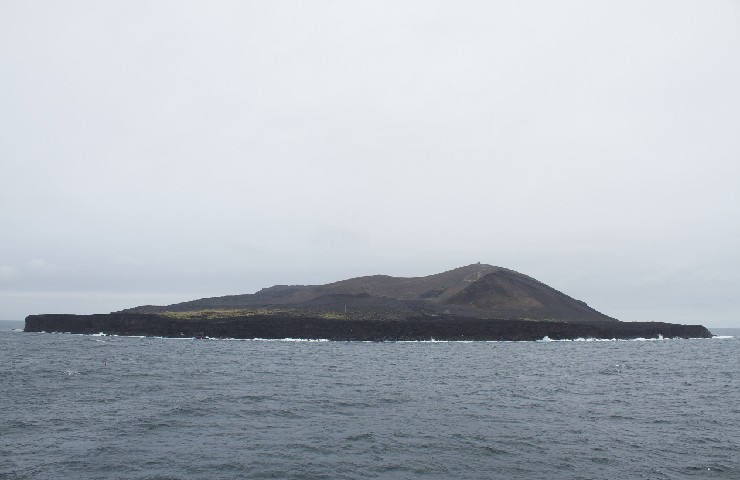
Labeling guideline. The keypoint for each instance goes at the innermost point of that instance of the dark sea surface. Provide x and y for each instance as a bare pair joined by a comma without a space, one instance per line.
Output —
87,407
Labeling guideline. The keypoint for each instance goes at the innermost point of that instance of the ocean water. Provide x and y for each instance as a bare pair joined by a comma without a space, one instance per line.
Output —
93,407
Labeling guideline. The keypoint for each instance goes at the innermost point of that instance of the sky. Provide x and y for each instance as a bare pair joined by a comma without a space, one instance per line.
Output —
160,151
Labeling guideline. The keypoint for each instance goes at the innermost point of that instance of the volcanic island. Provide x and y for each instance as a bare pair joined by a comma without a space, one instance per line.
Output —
475,302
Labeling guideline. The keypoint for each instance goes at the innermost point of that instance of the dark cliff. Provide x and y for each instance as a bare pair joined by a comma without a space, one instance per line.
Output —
280,326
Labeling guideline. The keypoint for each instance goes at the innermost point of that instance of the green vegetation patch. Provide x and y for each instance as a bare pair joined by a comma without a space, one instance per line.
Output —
215,314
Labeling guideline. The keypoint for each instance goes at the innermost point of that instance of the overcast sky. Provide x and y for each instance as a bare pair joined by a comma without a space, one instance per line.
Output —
161,151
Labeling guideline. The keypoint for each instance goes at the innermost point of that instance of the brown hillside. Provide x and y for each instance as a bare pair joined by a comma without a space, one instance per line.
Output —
477,290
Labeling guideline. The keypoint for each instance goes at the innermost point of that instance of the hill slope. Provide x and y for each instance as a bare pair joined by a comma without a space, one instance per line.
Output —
476,290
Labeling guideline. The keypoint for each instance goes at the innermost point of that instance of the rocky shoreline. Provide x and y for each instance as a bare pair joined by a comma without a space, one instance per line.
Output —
307,326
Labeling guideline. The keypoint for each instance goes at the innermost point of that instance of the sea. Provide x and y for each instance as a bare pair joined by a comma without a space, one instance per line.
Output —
107,407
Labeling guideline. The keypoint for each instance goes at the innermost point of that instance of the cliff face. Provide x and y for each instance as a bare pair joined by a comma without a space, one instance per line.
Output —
278,326
476,290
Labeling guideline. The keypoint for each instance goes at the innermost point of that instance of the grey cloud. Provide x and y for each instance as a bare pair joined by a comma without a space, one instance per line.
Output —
182,148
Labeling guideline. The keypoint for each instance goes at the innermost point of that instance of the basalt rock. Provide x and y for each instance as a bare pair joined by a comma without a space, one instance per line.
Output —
306,326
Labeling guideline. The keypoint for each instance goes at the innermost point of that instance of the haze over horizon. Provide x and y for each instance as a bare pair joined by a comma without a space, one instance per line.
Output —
163,151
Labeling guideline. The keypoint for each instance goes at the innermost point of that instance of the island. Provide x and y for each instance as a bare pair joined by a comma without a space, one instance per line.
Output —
473,303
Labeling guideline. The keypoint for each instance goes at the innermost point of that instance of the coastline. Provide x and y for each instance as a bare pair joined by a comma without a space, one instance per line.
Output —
315,327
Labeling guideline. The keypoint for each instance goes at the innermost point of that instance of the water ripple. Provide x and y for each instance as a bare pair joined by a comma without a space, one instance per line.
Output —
119,407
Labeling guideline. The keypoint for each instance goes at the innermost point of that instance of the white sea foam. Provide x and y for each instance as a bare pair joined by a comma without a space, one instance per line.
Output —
591,339
639,339
544,339
436,341
162,338
289,339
